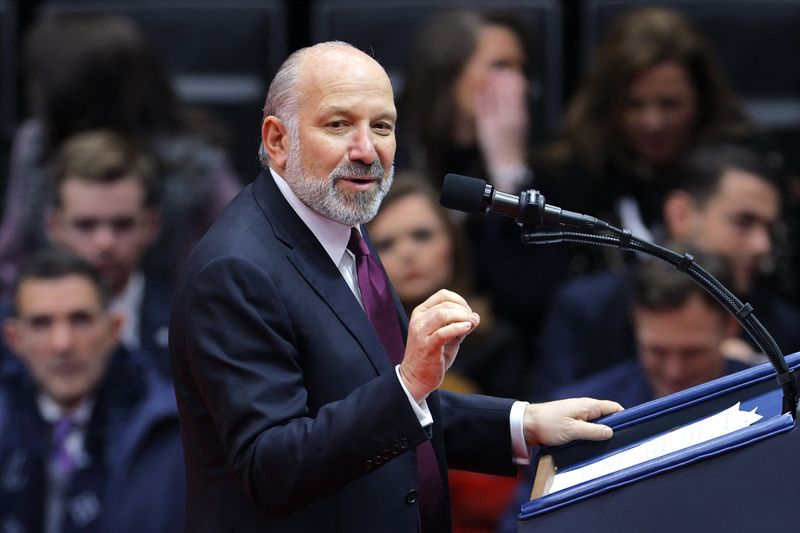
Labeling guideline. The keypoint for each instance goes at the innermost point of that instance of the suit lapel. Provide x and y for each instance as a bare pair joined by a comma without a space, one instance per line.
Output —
312,262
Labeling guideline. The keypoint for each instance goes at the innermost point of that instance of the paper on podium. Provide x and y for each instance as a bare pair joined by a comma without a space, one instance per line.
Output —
720,424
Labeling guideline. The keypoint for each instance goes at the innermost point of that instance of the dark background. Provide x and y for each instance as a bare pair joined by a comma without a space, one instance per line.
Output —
222,54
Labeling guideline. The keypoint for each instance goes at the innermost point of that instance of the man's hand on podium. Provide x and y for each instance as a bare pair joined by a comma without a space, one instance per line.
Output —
562,421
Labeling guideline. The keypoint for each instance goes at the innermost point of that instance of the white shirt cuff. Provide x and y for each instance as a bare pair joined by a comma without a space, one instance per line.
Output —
420,409
521,454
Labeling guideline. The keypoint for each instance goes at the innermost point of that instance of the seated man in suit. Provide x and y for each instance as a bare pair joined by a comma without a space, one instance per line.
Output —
680,332
106,212
309,401
90,437
727,203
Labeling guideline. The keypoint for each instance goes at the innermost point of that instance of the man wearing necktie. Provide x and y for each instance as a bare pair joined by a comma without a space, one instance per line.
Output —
89,437
308,399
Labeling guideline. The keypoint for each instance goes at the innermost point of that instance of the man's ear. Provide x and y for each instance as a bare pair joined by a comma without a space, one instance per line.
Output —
732,326
679,212
117,325
153,224
276,141
11,334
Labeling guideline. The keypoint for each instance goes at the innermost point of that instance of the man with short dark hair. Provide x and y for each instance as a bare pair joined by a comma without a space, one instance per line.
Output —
680,331
90,436
106,212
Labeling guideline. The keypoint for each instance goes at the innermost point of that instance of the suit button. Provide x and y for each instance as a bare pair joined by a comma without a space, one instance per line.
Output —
403,443
368,464
377,460
411,497
395,449
387,455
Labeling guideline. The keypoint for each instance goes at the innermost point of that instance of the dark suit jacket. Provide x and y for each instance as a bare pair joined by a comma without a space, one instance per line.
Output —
293,418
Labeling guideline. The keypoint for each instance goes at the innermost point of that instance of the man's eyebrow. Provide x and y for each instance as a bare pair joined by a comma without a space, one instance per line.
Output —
346,111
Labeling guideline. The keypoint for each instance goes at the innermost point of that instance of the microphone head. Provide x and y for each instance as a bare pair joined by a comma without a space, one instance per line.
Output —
463,193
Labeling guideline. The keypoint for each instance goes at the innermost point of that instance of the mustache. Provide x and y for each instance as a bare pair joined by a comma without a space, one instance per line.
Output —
352,169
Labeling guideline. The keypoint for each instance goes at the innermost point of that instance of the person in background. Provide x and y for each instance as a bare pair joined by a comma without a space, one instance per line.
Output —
680,335
728,203
465,100
654,92
465,110
87,72
106,211
90,436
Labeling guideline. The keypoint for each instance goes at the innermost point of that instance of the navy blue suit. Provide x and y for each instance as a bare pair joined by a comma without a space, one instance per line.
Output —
133,440
293,418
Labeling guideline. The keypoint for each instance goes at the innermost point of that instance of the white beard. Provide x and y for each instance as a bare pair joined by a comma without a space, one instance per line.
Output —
327,199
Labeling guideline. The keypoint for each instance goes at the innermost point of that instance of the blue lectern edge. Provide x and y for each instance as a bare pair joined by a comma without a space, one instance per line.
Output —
679,459
767,428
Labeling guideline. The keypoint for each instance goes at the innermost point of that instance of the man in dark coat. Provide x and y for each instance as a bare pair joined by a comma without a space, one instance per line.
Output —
90,436
301,412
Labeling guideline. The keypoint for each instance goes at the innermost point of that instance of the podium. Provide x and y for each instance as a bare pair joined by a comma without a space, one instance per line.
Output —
748,480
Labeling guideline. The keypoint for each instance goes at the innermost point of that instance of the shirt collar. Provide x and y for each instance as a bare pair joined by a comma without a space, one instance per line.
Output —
332,235
52,412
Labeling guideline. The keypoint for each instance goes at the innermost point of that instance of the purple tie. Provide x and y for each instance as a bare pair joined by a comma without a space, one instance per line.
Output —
62,460
376,295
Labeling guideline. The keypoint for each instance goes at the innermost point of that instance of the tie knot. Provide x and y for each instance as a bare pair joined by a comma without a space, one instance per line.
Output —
62,429
357,244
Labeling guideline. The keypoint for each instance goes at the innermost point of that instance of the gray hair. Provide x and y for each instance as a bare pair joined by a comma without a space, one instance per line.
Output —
282,96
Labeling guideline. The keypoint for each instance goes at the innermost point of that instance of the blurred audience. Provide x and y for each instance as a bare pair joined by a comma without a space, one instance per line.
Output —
653,93
728,203
464,106
680,333
89,72
105,210
465,110
90,432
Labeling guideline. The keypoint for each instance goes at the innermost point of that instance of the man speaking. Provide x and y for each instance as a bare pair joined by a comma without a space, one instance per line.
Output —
308,399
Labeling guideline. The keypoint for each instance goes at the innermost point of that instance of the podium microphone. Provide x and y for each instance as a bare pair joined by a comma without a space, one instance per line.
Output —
472,195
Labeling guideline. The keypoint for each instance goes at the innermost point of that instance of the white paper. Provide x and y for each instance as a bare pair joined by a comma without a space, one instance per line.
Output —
728,421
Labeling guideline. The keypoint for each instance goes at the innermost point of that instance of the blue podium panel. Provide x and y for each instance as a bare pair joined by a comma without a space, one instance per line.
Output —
748,480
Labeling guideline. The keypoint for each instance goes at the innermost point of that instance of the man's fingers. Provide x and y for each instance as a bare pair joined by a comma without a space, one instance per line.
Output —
608,407
450,332
442,314
588,431
439,297
590,409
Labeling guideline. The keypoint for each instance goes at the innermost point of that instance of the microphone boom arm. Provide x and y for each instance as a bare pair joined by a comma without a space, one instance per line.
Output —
743,312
